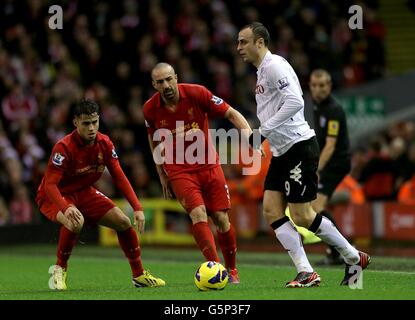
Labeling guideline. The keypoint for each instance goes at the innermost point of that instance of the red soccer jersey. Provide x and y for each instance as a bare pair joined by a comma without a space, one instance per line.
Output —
196,105
74,166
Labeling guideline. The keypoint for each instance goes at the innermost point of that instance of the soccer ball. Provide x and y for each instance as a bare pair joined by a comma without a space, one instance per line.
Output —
211,275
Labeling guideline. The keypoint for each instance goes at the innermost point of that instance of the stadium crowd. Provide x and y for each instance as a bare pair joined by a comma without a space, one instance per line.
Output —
106,50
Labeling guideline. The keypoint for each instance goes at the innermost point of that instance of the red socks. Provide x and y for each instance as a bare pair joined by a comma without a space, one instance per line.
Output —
205,240
67,240
129,243
227,243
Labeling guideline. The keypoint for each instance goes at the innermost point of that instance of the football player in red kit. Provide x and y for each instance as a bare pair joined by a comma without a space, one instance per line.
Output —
67,195
200,186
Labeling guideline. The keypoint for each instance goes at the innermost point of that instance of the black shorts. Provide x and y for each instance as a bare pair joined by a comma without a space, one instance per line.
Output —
295,172
331,176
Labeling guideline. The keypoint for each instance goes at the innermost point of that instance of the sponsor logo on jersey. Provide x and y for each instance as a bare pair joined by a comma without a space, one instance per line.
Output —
146,123
216,100
114,154
283,83
259,89
57,159
296,173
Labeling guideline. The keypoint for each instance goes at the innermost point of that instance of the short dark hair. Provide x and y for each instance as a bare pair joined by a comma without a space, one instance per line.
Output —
86,106
318,73
259,31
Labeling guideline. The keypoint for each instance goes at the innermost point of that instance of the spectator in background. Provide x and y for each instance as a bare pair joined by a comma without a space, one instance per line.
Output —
398,154
142,182
4,212
359,160
21,209
350,191
379,175
406,193
411,158
18,106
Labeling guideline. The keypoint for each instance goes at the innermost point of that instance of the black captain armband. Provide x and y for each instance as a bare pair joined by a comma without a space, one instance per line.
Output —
256,144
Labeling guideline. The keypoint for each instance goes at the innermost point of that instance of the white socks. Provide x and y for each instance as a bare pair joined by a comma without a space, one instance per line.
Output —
330,235
291,241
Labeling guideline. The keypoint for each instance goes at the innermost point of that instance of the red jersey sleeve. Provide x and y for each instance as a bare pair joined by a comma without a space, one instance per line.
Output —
119,178
148,119
58,163
214,106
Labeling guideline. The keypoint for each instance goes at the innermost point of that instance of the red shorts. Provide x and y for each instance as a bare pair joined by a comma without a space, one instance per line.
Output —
92,203
206,187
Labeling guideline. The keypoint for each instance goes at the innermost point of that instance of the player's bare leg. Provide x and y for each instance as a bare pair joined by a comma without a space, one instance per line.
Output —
202,233
129,243
72,222
274,212
227,242
302,214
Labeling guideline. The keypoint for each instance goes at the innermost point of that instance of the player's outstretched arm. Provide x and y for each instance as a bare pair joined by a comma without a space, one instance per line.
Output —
52,178
239,121
164,181
122,183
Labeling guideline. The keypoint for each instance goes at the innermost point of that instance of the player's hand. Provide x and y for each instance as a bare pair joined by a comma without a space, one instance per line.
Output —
73,214
262,151
139,221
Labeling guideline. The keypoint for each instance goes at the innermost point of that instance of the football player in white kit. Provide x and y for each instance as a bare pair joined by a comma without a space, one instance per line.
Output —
292,176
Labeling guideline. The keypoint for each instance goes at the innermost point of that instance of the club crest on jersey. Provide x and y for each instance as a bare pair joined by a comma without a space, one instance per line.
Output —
283,83
322,121
216,100
114,154
57,159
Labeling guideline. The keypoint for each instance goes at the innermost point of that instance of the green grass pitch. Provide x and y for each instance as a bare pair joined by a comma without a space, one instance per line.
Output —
97,273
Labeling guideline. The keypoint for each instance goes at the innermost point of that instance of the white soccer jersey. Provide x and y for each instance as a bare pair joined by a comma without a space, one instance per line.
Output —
280,105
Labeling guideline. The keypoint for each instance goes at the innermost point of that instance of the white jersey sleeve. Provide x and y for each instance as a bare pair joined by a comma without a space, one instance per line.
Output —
280,105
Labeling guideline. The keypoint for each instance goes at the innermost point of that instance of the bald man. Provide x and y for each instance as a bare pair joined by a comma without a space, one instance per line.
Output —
200,186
